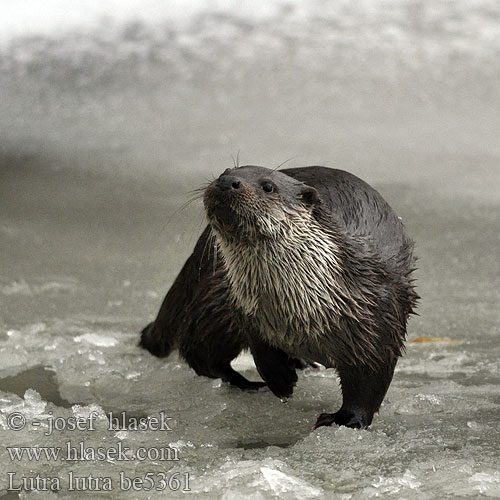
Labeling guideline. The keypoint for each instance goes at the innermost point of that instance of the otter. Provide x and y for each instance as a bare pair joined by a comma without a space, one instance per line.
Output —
305,264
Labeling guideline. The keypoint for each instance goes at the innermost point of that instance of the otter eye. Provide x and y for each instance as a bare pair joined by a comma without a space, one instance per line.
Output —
268,187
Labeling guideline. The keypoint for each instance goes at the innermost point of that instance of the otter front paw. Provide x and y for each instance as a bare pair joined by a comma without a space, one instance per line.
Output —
249,386
274,366
350,418
281,379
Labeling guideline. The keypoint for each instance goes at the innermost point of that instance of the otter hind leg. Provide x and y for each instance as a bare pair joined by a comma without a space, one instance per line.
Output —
363,390
223,371
228,374
210,354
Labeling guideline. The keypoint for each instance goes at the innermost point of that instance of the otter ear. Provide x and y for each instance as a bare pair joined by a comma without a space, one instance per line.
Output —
309,195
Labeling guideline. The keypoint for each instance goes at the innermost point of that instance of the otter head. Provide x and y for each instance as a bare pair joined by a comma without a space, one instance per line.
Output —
253,203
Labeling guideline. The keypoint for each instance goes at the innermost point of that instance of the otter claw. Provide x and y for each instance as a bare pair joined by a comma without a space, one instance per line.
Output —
349,418
324,419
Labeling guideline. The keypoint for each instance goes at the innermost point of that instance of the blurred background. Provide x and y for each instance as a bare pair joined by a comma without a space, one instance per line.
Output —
111,112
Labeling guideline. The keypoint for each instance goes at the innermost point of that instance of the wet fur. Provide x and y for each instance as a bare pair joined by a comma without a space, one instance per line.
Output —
322,273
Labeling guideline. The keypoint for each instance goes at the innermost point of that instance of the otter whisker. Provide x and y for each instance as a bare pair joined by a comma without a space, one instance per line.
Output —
206,246
281,164
201,222
200,190
213,241
180,209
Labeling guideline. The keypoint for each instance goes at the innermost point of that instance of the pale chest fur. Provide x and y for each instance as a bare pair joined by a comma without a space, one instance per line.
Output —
288,284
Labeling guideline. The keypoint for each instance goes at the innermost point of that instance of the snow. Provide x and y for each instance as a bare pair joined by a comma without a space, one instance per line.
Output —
98,340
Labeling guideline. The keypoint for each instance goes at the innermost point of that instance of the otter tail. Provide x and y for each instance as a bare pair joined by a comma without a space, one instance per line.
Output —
156,341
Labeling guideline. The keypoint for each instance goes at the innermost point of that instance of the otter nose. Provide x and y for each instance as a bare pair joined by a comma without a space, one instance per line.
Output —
228,182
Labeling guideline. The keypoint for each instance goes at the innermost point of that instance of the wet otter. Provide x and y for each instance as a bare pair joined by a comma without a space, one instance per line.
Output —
309,263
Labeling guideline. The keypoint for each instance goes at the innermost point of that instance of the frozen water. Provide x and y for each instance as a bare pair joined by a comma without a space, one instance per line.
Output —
281,483
111,112
97,339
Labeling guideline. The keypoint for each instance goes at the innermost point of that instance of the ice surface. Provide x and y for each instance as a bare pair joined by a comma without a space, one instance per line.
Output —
282,483
106,121
97,339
